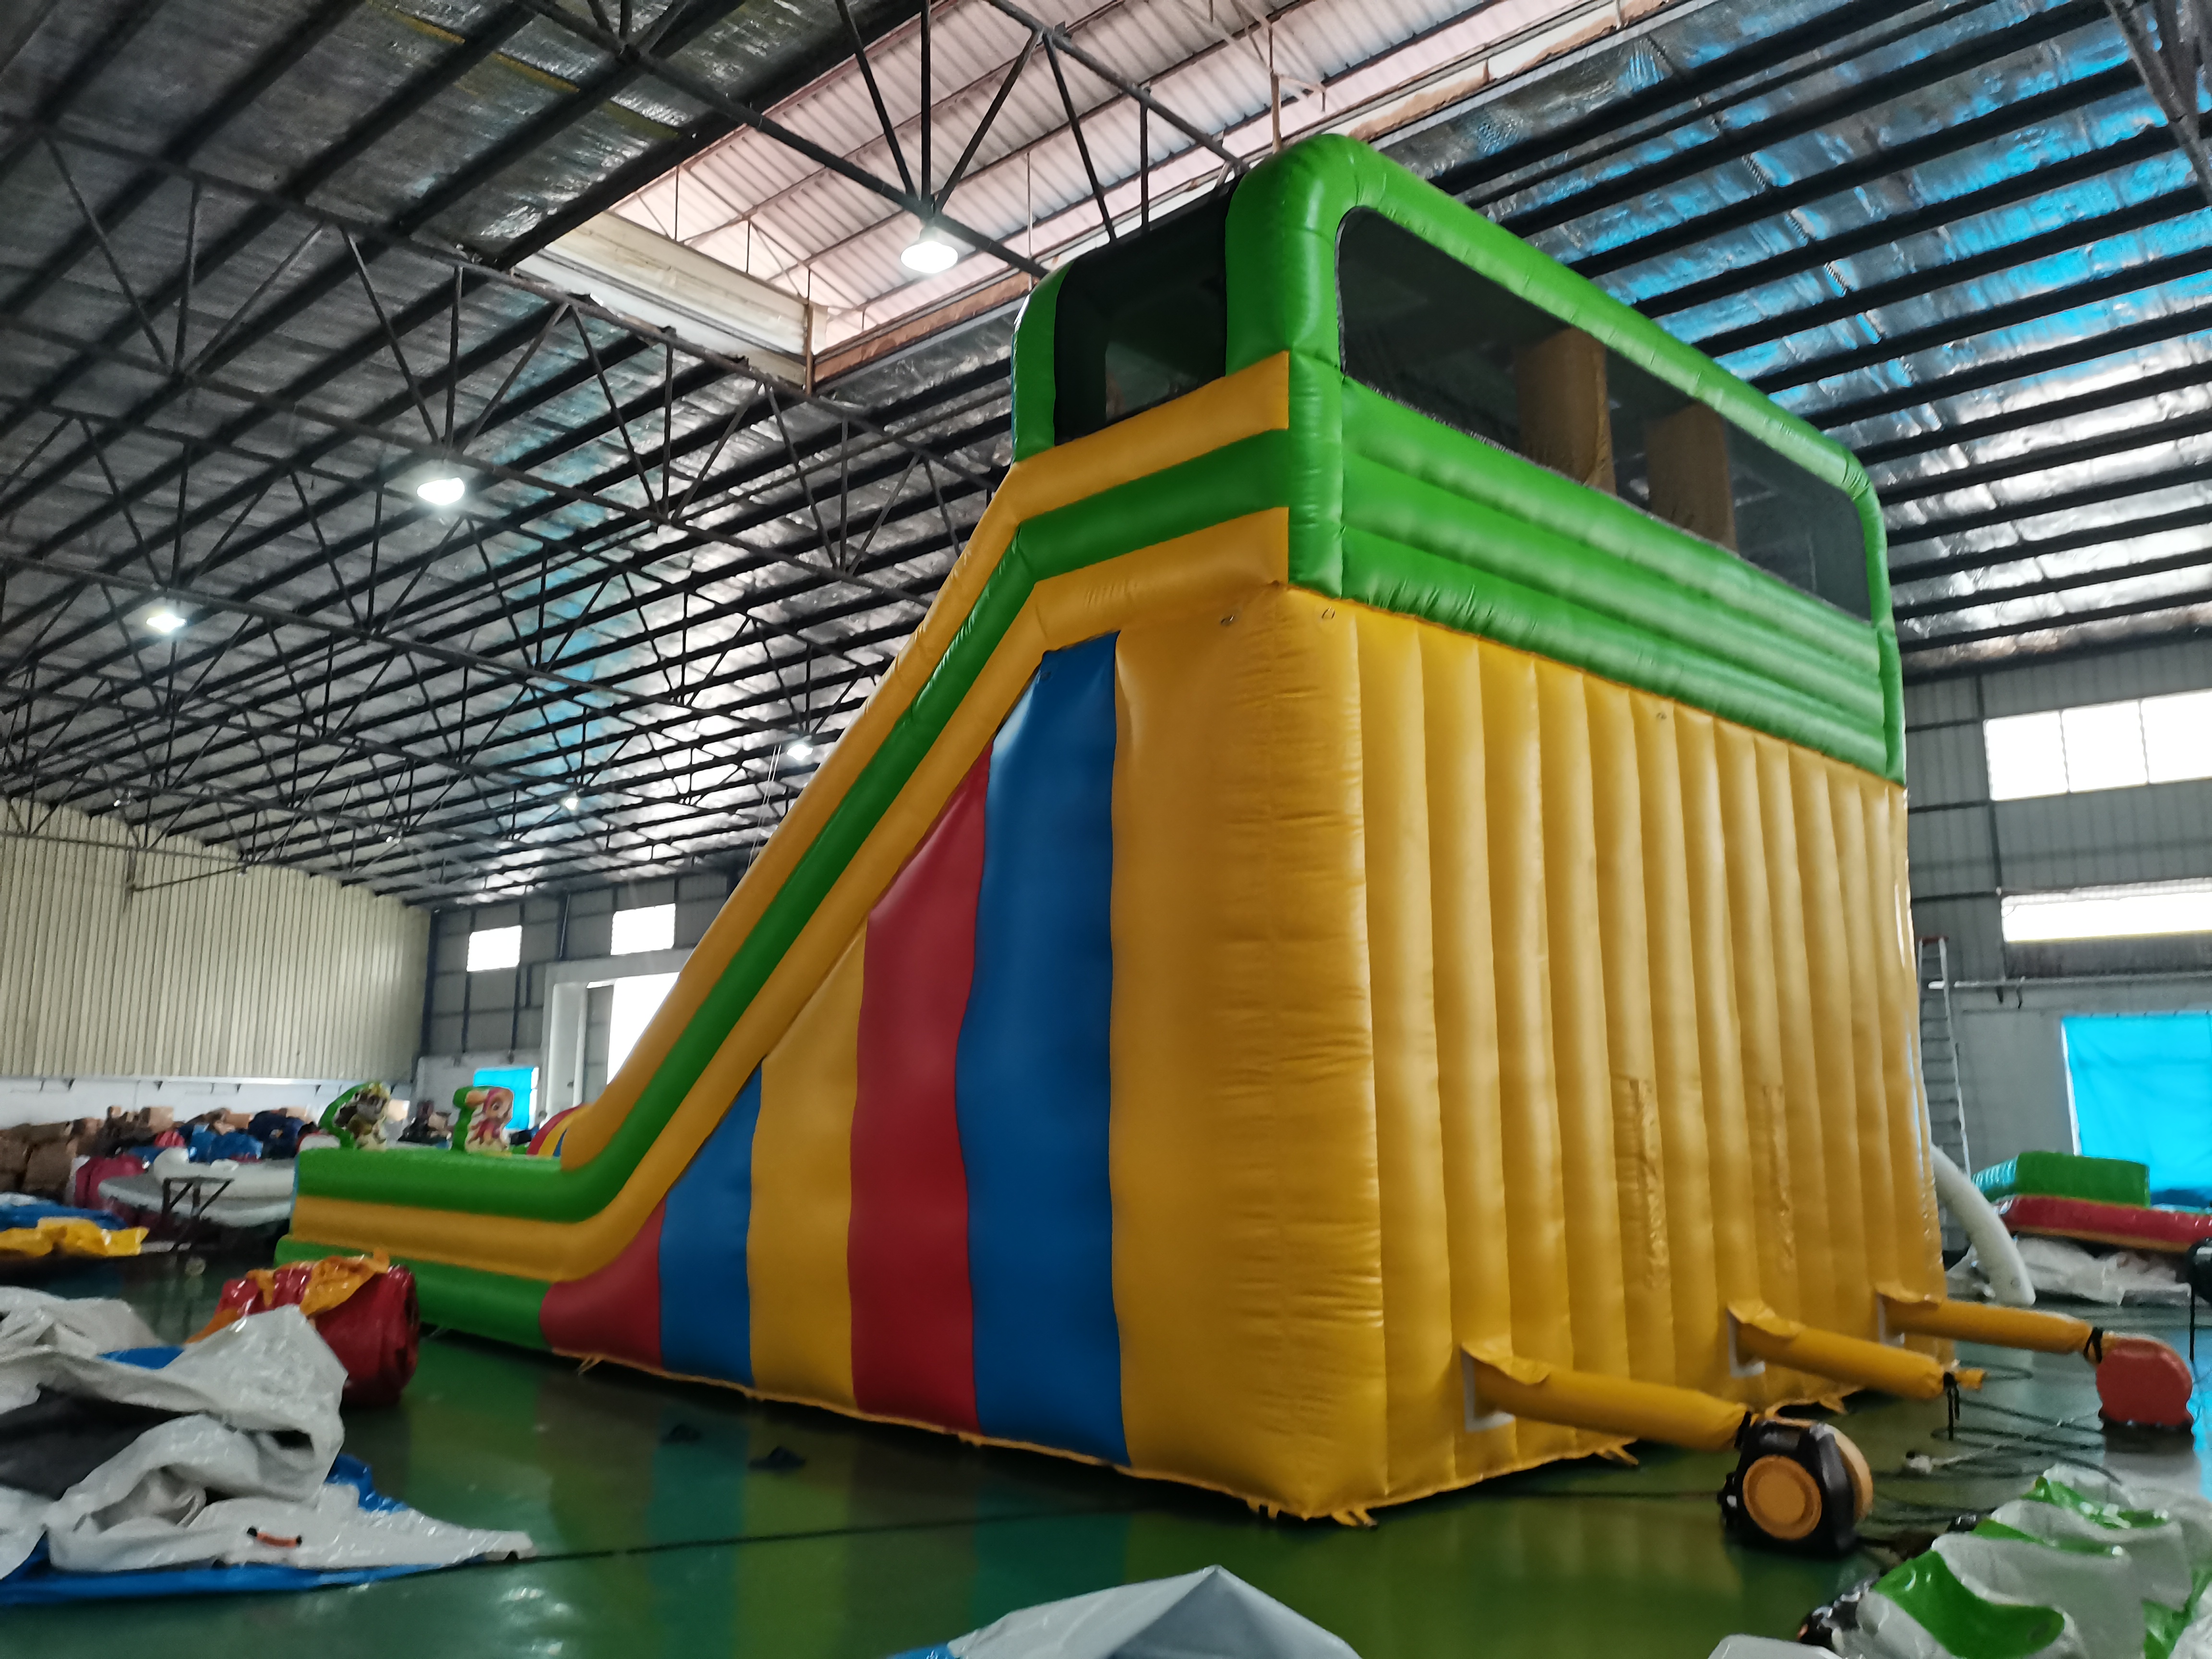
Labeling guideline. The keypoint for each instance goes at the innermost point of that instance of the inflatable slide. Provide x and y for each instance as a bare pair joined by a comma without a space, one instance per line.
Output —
1362,945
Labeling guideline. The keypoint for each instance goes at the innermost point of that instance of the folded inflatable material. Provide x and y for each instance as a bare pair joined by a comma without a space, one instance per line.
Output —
1210,1612
2086,1566
234,1467
2127,1225
70,1234
362,1307
21,1210
49,1445
2066,1174
37,1583
2060,1267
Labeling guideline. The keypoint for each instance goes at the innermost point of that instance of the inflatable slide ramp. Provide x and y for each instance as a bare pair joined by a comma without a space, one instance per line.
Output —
1379,883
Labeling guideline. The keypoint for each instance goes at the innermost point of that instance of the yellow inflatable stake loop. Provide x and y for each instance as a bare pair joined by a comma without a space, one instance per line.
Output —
1972,1321
1499,1381
1764,1334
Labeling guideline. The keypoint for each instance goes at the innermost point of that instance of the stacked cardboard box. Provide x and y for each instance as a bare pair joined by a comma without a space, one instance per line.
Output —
53,1150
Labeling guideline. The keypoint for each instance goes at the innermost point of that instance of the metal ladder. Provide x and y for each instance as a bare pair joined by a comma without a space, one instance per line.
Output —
1940,1071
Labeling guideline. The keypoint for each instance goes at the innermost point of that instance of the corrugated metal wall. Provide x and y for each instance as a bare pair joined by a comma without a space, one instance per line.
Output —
136,962
503,1009
1967,850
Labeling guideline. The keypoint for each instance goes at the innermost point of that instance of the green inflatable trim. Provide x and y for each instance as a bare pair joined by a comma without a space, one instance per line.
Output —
1240,478
1281,264
1963,1622
2064,1175
1393,577
1282,279
486,1305
2071,1545
2058,1495
1638,546
1033,368
2163,1626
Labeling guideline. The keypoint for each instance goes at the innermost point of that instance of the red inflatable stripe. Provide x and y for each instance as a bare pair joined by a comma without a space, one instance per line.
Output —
2126,1224
913,1316
613,1313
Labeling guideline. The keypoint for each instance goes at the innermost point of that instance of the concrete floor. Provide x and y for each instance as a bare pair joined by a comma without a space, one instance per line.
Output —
659,1535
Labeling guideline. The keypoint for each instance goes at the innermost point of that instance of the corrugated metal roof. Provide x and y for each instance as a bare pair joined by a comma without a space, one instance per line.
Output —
235,333
1956,234
1366,65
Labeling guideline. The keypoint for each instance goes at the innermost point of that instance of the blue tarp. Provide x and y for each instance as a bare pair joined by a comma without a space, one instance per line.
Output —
30,1215
2142,1090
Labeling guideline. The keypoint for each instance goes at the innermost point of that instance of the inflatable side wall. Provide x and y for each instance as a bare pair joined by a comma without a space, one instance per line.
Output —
1318,894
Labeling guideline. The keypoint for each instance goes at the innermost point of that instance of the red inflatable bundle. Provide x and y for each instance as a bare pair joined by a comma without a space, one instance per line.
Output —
363,1306
2130,1226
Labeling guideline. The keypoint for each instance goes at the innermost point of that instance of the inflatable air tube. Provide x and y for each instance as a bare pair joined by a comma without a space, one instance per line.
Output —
1993,1246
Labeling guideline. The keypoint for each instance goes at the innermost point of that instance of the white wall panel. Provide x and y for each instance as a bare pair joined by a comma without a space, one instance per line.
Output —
2009,1028
128,961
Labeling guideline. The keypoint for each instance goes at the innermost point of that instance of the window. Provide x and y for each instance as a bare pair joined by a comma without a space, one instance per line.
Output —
651,928
636,1000
2105,746
2178,737
493,947
1141,321
2027,755
1438,336
2140,911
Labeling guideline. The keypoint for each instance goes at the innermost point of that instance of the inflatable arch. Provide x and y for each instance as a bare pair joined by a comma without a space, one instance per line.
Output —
1362,944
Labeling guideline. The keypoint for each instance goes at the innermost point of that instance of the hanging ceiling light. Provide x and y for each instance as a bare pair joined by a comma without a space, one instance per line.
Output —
800,751
443,490
573,803
929,256
164,619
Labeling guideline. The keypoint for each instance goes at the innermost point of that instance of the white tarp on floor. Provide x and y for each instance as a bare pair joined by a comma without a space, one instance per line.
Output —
238,1476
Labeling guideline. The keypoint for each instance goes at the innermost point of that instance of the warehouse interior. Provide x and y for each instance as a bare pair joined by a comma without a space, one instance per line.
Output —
466,466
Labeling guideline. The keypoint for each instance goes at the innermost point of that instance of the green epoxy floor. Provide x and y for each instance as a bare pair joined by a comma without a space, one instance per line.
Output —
659,1535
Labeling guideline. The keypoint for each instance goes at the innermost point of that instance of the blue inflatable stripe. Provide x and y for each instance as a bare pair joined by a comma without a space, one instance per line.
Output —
1032,1075
705,1303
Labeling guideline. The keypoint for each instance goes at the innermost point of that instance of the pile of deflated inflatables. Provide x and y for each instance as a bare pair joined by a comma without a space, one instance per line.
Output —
2086,1566
129,1468
32,1230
